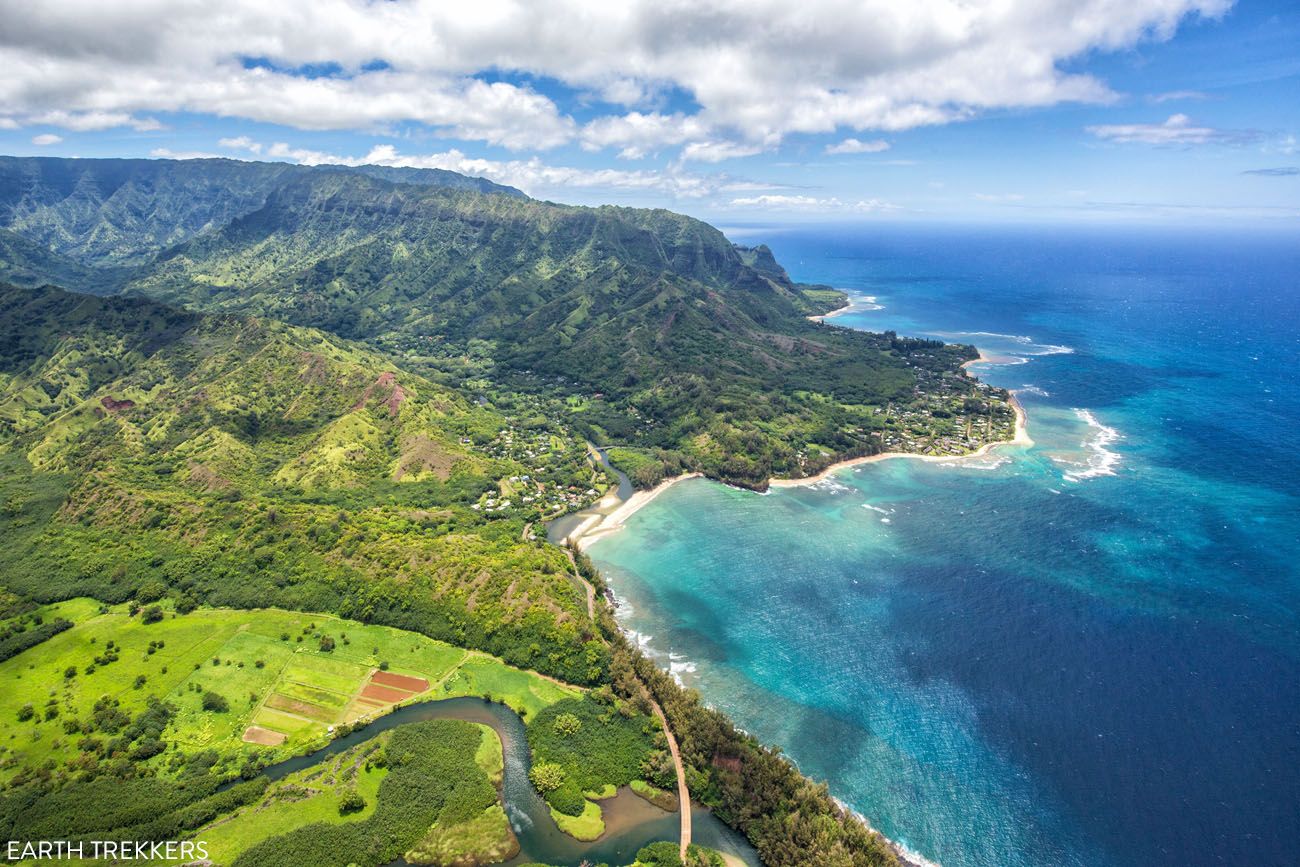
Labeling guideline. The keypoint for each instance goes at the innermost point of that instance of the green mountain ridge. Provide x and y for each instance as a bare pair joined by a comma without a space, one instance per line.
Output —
681,346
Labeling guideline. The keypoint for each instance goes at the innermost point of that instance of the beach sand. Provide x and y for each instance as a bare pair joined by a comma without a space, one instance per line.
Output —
839,311
599,525
603,524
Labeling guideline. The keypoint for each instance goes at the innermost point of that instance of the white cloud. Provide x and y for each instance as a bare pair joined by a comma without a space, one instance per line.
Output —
46,138
240,143
1178,96
92,121
853,146
753,72
169,154
779,202
999,197
717,151
1177,130
533,176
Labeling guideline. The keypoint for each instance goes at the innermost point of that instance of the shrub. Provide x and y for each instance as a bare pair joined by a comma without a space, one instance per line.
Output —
567,724
351,803
215,702
546,776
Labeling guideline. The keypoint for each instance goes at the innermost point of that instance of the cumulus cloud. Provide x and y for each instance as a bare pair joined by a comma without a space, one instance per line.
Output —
240,143
169,154
533,175
853,146
46,138
753,72
1177,130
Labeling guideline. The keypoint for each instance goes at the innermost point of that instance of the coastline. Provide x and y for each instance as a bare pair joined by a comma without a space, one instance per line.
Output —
1021,438
850,306
598,526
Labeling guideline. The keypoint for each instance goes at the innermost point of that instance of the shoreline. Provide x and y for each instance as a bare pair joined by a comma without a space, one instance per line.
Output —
850,306
600,525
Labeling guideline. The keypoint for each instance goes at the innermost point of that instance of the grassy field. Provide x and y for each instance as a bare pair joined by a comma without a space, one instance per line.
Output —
269,666
311,795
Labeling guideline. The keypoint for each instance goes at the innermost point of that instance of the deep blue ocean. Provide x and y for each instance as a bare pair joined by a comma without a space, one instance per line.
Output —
1085,652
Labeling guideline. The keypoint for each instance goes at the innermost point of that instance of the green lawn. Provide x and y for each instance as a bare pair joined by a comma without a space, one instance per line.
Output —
525,692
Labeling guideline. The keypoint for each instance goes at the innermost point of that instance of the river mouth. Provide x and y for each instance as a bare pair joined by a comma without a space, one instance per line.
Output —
559,529
630,821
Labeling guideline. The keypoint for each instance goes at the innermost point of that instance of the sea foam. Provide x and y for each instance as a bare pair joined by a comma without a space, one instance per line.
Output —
1100,461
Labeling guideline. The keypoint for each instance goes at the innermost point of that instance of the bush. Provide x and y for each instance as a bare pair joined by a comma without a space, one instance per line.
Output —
351,803
567,724
152,614
545,776
215,702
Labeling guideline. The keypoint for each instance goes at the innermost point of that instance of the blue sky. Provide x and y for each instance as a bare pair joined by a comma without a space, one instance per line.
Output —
1023,110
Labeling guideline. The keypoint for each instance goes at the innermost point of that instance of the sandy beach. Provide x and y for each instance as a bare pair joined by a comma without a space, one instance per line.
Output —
600,525
1020,439
847,308
603,524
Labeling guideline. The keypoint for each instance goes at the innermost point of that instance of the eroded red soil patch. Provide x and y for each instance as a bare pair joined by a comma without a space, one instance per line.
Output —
400,681
302,708
384,693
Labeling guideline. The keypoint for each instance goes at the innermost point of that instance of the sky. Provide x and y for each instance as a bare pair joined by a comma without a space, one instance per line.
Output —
983,110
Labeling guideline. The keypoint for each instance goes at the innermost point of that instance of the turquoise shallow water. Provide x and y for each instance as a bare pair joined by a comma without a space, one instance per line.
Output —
1084,652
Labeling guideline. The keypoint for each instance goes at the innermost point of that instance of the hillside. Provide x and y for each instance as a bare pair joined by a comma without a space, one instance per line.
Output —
241,462
649,327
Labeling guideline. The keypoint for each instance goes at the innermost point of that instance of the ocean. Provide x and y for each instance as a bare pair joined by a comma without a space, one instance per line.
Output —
1084,652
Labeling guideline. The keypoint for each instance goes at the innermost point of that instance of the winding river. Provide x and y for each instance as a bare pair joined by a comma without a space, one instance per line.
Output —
630,821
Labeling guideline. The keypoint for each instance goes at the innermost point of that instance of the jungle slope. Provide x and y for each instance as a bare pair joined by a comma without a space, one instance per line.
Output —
671,340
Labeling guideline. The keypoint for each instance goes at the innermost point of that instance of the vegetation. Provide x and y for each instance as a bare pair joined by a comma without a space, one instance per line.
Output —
673,340
317,794
432,785
285,467
583,745
270,467
313,690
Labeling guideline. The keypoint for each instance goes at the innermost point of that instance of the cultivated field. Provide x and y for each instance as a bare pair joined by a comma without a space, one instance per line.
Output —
286,678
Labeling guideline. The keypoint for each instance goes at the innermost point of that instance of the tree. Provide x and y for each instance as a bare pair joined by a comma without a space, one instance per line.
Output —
351,803
567,724
151,591
547,777
152,614
215,702
326,644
